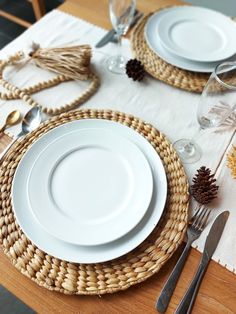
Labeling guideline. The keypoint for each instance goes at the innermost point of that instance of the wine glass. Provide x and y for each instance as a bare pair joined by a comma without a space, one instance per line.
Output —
217,107
121,15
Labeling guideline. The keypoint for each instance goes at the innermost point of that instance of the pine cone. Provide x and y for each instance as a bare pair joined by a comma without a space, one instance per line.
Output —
204,189
135,69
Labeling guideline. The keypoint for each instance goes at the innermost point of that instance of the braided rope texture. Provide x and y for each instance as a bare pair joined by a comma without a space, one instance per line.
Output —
160,69
14,92
115,275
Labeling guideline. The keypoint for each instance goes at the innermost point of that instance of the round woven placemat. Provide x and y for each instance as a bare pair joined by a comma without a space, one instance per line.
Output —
115,275
160,69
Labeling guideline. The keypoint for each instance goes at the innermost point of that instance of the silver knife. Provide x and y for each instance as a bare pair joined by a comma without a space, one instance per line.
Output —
212,241
106,39
109,37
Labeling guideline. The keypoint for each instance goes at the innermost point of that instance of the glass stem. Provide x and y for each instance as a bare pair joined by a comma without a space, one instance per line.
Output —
193,139
119,39
197,134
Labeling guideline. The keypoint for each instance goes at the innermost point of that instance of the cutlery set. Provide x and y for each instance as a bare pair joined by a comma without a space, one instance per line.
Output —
196,226
211,243
30,122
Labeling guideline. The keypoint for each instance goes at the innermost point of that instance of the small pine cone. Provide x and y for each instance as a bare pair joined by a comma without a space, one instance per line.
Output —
204,189
231,161
135,69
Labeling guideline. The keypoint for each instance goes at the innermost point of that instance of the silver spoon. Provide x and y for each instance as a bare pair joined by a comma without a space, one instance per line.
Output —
30,122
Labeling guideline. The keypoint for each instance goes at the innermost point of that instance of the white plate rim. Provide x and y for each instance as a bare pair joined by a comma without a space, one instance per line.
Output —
161,52
225,21
73,232
96,254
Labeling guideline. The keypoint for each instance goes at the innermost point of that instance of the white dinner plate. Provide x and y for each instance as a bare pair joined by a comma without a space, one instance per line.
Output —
154,42
197,33
99,253
85,181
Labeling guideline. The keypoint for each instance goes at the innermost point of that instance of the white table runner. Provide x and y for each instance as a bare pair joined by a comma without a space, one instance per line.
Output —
170,110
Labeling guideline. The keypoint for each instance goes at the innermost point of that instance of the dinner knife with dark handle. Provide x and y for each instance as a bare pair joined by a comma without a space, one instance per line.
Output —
111,35
212,241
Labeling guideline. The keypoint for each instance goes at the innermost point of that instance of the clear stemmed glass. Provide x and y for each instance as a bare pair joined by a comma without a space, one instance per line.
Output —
217,107
121,15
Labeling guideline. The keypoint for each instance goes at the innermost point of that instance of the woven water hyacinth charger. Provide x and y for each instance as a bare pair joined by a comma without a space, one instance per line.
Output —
160,69
115,275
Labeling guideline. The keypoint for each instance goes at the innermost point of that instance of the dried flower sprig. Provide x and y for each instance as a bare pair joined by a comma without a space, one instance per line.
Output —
225,113
231,161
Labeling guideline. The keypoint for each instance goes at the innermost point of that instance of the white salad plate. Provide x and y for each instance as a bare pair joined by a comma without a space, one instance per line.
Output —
85,181
198,34
154,42
59,248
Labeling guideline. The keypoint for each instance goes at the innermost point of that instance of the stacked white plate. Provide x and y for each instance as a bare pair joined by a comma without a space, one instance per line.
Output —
192,38
89,191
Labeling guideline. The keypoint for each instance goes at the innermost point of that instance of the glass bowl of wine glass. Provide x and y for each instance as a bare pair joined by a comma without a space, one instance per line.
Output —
217,104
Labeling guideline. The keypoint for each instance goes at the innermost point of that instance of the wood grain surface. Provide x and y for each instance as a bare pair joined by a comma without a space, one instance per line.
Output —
217,293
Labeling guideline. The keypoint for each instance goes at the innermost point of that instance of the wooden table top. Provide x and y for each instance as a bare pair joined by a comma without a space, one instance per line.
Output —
217,293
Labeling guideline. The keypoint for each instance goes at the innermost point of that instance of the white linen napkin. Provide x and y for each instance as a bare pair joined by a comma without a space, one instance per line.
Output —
169,109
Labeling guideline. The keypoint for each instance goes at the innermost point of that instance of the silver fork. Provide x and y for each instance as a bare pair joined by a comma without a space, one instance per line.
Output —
196,225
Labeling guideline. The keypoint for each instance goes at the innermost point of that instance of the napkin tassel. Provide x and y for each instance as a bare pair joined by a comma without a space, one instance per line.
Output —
70,63
73,62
